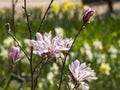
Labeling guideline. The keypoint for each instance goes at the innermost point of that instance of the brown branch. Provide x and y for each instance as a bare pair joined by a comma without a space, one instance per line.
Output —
39,28
31,53
18,44
81,28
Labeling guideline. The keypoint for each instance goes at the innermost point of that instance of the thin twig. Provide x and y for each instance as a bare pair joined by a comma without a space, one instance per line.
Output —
39,28
68,54
6,76
18,44
31,53
28,21
76,85
13,15
37,66
39,71
66,81
16,2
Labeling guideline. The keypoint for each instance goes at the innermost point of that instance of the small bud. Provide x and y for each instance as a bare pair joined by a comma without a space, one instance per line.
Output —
15,52
87,15
8,27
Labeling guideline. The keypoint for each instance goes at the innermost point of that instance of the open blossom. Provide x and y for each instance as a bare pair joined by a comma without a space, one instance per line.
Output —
81,72
46,45
15,52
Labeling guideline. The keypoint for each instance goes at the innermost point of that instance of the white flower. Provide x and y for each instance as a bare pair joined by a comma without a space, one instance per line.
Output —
50,77
113,52
101,58
81,72
87,46
89,54
8,42
27,42
54,68
88,51
71,85
4,53
59,30
24,58
98,45
112,49
40,84
113,56
45,45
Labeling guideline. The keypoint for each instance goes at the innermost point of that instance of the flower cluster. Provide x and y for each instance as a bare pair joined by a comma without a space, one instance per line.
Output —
46,45
55,7
81,72
66,6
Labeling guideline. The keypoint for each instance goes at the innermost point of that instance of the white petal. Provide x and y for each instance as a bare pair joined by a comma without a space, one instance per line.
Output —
36,52
47,36
39,37
82,66
76,64
85,85
34,44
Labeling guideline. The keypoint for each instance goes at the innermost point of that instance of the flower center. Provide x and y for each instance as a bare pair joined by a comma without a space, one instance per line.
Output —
49,48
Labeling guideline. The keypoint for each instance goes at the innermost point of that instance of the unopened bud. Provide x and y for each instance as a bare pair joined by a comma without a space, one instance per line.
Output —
87,15
8,27
15,52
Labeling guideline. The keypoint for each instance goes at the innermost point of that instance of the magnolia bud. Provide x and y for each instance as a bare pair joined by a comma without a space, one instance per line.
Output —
87,15
15,52
8,26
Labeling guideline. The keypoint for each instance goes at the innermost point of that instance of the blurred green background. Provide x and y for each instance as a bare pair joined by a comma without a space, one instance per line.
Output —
98,45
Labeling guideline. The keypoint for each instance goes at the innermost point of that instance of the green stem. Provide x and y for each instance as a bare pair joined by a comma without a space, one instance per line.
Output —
81,28
39,28
31,53
18,44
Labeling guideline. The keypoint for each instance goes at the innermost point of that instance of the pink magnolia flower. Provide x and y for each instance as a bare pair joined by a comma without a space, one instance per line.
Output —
46,45
88,14
81,72
15,52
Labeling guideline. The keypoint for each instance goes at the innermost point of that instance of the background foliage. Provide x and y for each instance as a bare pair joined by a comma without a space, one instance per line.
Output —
98,44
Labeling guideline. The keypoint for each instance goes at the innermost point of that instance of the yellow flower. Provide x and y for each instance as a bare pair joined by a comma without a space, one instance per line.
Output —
39,7
4,12
65,6
72,5
80,5
55,7
105,68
